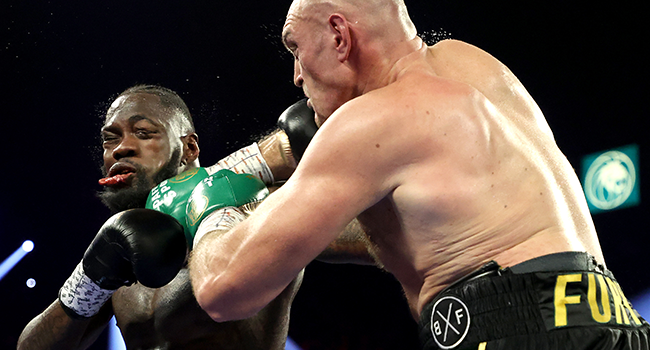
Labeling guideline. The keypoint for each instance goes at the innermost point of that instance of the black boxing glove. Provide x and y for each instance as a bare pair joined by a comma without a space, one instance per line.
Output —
135,245
298,123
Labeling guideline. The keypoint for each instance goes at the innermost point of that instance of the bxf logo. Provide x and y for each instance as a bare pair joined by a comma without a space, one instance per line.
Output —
449,322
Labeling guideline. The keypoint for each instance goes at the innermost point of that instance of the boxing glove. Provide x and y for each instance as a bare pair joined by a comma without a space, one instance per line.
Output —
171,195
220,190
298,123
135,245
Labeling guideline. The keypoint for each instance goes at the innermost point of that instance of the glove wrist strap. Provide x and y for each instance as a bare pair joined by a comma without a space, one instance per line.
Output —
81,296
247,160
287,152
219,220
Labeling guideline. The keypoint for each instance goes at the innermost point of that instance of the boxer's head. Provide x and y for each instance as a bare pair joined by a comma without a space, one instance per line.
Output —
148,136
338,46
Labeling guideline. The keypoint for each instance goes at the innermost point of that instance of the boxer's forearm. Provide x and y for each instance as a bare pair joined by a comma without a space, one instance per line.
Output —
270,159
276,151
54,329
284,147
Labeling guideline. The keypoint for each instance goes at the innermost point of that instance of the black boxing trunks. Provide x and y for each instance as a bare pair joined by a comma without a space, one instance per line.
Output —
562,301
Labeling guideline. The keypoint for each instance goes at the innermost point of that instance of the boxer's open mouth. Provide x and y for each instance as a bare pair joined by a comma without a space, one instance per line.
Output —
119,174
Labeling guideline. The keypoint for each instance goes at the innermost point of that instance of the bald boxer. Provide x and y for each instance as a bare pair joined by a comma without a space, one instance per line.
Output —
148,136
451,168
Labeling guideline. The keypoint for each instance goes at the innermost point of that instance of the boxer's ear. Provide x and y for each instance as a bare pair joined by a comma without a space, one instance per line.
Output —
340,28
190,148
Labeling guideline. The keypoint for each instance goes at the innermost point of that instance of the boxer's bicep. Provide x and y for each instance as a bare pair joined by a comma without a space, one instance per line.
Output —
239,272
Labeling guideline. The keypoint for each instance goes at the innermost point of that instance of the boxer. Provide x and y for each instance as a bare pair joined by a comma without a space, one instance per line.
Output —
452,170
135,268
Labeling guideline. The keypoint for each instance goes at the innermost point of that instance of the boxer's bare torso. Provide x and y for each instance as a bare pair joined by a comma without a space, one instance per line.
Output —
484,179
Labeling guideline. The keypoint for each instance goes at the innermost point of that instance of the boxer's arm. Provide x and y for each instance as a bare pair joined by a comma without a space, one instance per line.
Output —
54,329
344,171
137,244
297,128
276,151
268,159
352,246
275,156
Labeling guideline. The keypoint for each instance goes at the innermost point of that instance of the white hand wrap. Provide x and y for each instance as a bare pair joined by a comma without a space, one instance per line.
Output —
247,160
219,220
81,295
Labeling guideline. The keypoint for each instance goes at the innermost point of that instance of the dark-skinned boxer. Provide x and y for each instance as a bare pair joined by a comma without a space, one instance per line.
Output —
147,137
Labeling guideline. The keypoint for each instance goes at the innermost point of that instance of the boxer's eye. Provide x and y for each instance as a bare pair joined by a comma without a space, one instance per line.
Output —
144,133
292,47
108,138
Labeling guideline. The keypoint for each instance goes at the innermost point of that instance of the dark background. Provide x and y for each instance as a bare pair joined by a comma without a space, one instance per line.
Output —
61,62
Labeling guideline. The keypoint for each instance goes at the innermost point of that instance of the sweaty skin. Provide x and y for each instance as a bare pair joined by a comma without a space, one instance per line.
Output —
139,138
170,318
440,152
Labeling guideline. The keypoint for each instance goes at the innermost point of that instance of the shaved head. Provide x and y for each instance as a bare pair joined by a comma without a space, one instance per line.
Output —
345,48
377,16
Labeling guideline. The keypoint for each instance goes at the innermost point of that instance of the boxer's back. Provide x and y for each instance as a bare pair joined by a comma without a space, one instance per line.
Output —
489,182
